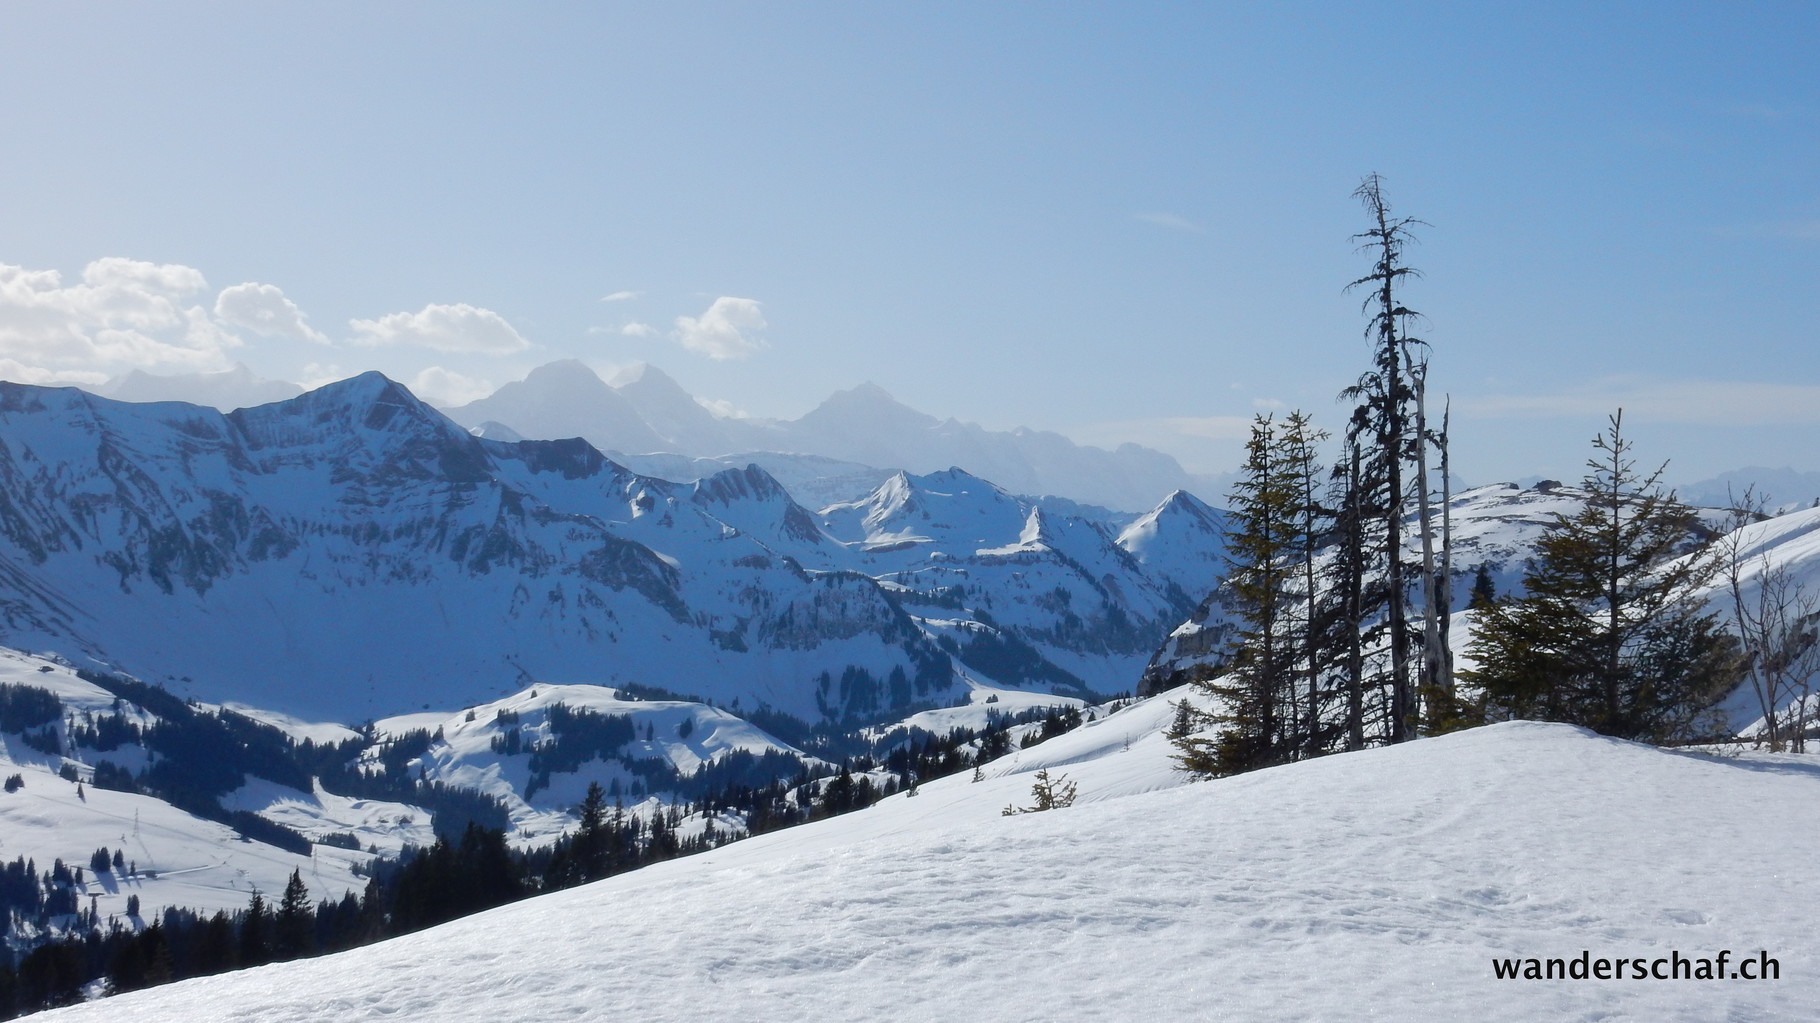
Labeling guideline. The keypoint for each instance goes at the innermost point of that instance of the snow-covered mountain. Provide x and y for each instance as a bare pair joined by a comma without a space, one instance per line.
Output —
352,553
205,804
644,411
1403,876
561,400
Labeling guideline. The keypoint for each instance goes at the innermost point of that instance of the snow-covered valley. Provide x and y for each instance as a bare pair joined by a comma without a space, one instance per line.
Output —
1382,883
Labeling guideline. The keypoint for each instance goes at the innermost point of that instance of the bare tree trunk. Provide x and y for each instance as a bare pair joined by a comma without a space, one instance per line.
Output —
1429,679
1355,606
1446,581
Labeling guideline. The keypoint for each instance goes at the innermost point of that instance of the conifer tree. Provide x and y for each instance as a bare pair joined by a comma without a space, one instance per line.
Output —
590,844
1270,543
1483,592
255,938
1609,633
1390,438
1340,630
294,929
1299,468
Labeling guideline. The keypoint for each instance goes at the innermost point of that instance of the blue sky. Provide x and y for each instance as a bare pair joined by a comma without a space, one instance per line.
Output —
1123,222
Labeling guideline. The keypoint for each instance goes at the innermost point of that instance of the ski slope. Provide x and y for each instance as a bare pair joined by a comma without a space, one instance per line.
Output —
1375,884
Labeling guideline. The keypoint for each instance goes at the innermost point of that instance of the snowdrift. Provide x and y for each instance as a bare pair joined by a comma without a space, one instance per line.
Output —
1381,883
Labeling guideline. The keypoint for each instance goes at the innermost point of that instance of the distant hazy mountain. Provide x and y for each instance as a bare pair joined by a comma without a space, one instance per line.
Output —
1783,488
562,400
226,390
645,412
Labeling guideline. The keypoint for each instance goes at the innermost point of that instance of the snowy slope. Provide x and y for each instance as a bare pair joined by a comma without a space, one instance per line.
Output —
1377,883
685,736
182,859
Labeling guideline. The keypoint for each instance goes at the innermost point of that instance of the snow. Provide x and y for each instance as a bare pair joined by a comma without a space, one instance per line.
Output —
183,860
1381,882
685,734
351,553
320,732
377,824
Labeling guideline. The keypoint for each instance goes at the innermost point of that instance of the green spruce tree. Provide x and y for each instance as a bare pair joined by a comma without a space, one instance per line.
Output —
1609,632
294,929
1255,696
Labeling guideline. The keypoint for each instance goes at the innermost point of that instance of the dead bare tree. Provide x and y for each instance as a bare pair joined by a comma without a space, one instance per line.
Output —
1778,623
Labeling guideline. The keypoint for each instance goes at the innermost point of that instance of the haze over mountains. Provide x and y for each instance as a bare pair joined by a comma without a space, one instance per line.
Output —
842,449
838,451
644,411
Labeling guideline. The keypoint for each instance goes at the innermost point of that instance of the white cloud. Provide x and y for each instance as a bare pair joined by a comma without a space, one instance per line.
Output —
638,330
317,374
125,314
444,328
721,332
722,408
621,296
446,388
1700,402
263,309
1171,221
19,373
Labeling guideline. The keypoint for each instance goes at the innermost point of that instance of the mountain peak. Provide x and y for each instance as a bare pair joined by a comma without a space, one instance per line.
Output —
643,375
566,373
372,398
870,391
564,399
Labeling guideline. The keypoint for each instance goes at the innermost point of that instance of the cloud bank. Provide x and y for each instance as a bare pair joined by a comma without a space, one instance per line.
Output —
124,314
723,332
443,328
263,309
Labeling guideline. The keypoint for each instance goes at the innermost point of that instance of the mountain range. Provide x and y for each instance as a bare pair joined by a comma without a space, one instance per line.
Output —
839,451
351,553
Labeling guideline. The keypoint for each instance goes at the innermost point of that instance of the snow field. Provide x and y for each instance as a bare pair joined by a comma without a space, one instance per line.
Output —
1372,884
